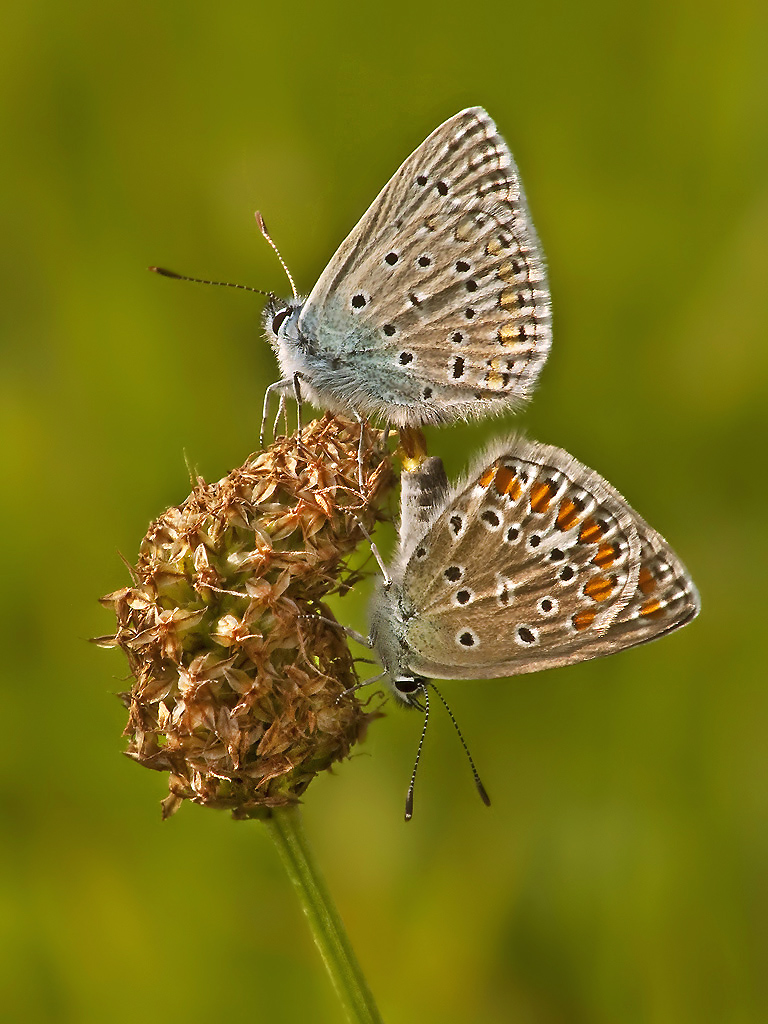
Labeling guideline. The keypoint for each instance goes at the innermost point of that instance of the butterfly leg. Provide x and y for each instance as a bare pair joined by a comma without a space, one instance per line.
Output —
297,393
361,421
376,555
364,641
279,385
359,686
353,634
281,410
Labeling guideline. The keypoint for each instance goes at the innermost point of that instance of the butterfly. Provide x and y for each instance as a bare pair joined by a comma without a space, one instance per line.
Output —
436,306
531,561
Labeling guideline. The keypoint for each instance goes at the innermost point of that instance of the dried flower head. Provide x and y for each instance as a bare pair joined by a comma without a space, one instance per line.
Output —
236,676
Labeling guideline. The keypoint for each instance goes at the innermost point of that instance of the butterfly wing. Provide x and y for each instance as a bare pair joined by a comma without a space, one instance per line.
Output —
665,598
436,306
541,563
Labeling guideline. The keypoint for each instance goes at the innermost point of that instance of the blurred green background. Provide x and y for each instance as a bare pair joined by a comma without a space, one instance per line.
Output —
621,874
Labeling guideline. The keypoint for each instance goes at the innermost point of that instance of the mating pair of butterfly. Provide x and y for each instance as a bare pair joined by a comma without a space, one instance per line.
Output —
436,309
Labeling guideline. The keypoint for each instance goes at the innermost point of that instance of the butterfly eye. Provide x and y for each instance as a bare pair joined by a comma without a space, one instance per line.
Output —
278,318
409,684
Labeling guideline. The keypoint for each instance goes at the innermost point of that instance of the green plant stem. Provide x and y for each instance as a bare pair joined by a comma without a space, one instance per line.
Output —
287,830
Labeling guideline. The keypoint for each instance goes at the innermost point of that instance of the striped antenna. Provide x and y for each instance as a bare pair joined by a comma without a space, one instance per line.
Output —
263,229
199,280
480,787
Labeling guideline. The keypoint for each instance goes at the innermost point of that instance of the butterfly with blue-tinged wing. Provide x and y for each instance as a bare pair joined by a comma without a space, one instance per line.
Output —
436,307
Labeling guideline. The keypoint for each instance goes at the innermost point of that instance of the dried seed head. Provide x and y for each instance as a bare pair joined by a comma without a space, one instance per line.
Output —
235,675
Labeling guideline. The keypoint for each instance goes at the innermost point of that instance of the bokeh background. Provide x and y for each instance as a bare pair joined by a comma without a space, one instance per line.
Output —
621,872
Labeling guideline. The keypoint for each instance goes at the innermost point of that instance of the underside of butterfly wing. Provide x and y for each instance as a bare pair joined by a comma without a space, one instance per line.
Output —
537,562
436,306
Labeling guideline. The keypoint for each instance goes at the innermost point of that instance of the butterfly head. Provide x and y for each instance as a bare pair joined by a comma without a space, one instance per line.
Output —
281,320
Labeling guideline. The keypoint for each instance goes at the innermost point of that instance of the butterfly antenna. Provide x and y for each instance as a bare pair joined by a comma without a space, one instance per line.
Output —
480,787
263,229
199,280
409,797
